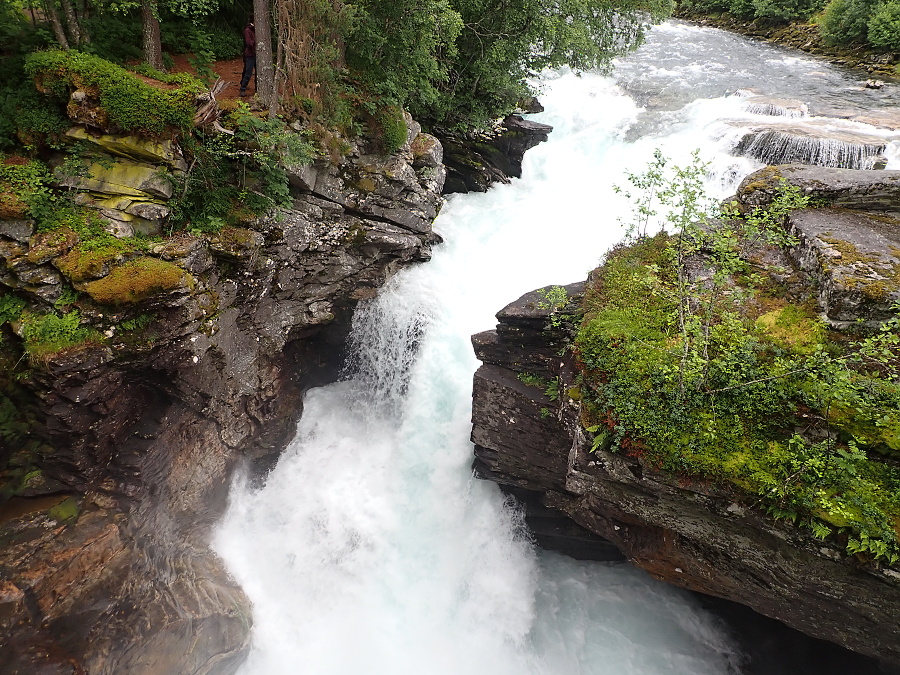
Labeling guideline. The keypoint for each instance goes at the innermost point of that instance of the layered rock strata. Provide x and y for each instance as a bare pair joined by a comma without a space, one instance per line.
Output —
692,534
852,249
104,558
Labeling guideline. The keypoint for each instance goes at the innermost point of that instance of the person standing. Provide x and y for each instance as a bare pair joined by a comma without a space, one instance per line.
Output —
249,56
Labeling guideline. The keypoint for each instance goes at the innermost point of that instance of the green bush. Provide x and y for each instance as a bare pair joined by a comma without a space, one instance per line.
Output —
392,123
23,188
115,36
240,176
11,307
845,21
129,104
781,11
884,27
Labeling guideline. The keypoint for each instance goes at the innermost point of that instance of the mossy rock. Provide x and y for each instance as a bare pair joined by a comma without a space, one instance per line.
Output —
45,246
66,510
12,206
138,280
79,265
236,243
150,150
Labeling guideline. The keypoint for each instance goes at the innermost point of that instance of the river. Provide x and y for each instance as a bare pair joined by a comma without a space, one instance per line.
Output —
371,548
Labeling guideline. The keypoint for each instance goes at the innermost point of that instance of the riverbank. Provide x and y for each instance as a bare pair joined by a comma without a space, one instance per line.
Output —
804,36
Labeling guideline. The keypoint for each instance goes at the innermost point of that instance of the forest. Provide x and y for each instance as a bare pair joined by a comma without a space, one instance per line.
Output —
452,63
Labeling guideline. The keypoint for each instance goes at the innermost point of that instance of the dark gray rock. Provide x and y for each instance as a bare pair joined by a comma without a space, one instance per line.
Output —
476,162
855,257
687,533
20,230
876,190
849,247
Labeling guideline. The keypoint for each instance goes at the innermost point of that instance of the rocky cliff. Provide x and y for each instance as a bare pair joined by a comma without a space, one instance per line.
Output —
200,347
697,534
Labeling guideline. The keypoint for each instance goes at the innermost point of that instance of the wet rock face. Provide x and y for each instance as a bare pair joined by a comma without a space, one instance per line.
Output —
687,533
143,431
475,163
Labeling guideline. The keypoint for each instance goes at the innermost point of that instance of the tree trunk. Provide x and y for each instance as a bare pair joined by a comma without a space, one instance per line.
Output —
56,24
82,13
72,22
152,42
265,71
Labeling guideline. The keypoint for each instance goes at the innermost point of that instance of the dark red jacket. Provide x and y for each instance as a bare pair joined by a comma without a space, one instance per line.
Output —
249,41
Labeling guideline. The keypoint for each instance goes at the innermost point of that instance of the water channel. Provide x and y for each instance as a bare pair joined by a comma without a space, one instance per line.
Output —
371,548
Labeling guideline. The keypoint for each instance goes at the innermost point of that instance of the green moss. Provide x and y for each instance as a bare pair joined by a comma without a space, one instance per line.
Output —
79,265
793,328
138,280
126,101
392,123
67,510
766,179
747,403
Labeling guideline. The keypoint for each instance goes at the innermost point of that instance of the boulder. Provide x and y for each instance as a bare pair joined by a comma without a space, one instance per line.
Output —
475,162
19,230
121,177
877,190
854,256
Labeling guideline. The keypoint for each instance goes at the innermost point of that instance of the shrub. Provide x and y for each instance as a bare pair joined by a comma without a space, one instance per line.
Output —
129,104
48,334
392,123
11,307
884,27
785,10
115,36
23,187
846,21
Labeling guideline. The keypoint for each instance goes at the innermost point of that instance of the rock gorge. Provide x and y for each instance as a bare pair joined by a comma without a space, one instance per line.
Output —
104,555
692,533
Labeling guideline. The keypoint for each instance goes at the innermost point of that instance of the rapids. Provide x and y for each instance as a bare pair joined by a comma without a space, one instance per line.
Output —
370,548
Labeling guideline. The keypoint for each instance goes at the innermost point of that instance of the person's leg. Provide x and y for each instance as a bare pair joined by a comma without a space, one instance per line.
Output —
249,70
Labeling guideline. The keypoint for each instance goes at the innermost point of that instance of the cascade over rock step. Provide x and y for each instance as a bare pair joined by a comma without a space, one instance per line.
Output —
818,142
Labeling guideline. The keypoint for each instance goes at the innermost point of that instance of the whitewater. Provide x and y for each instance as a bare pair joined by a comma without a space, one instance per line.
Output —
371,548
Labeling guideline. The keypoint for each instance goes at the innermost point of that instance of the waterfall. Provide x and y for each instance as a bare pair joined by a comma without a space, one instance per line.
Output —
798,145
371,548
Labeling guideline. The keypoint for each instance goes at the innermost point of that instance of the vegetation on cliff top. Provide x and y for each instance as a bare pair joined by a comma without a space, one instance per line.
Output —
695,363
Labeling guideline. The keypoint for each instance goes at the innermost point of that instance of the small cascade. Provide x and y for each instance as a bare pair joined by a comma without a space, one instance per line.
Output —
776,107
814,144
